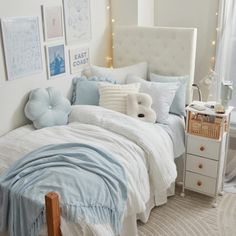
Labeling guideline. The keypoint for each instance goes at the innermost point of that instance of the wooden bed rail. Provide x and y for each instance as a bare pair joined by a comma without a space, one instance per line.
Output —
53,215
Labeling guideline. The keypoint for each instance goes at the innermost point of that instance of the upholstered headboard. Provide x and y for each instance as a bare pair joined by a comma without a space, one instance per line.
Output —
168,51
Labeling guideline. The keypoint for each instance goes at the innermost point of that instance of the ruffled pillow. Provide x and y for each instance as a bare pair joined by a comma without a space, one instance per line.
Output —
85,91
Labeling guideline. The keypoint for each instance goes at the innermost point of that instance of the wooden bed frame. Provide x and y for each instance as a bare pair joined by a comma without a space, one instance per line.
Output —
53,214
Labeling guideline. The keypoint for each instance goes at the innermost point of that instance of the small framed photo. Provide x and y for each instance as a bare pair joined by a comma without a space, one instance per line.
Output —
79,59
53,22
56,60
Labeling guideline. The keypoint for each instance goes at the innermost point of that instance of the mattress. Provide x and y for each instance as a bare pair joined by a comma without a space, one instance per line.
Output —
174,128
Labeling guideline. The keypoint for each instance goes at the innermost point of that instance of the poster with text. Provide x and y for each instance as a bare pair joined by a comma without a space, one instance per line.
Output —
79,59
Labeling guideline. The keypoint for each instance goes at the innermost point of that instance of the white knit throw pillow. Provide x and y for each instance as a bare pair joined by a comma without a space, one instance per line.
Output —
113,96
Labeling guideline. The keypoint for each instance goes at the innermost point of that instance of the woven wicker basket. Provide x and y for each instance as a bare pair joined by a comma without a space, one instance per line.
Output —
205,125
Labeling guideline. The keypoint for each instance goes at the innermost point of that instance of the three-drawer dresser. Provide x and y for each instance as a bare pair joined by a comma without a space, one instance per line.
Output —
206,149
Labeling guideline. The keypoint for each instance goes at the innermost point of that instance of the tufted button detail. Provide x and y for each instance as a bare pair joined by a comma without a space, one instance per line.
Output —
48,101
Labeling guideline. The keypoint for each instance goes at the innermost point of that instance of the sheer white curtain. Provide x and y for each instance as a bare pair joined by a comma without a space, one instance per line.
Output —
225,66
225,69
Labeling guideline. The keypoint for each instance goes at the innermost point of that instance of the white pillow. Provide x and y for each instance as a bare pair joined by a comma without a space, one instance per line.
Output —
119,74
162,95
113,96
139,107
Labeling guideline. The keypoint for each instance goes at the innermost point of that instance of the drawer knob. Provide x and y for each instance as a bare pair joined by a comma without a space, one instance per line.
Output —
199,183
200,166
202,148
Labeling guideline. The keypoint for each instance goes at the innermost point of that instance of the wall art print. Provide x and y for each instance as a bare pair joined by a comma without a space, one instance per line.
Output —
56,60
22,46
79,59
77,21
53,22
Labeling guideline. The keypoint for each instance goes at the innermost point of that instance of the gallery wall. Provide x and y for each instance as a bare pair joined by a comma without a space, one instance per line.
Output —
14,94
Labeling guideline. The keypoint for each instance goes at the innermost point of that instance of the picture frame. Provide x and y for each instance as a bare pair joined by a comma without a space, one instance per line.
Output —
79,59
22,46
53,22
77,20
56,65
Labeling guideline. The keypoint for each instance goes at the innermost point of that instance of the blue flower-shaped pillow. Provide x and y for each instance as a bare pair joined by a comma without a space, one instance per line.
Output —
47,107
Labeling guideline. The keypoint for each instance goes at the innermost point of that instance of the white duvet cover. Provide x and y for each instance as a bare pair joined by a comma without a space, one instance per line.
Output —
144,149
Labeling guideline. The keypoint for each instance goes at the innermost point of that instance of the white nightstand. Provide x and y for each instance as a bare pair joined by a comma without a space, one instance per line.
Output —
206,150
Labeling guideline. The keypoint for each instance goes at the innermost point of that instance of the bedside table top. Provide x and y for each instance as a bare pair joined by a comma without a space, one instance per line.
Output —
208,111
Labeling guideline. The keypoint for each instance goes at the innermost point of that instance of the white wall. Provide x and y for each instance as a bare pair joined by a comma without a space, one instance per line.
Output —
192,13
133,12
13,94
145,12
125,12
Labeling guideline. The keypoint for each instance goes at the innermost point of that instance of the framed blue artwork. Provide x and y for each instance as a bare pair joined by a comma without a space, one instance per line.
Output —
56,60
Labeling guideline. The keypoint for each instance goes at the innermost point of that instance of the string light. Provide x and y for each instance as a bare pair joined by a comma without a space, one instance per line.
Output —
109,58
213,57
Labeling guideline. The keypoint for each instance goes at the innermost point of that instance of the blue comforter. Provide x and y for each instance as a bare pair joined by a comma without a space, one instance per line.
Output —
91,184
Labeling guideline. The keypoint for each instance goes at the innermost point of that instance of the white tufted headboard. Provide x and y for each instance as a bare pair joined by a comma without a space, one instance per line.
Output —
168,51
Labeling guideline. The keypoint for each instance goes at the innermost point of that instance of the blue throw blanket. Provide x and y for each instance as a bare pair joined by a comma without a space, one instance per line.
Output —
90,182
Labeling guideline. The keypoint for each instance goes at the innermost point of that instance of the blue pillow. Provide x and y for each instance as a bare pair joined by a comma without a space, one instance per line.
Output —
178,104
47,107
85,91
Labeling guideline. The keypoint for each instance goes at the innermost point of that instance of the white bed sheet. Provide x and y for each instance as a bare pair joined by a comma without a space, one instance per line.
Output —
175,126
14,145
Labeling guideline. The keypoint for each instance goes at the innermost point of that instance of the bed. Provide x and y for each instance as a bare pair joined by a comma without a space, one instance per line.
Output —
168,51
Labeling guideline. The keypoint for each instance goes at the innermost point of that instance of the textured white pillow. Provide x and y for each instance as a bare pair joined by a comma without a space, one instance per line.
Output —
162,95
139,107
119,74
113,96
